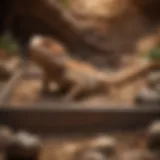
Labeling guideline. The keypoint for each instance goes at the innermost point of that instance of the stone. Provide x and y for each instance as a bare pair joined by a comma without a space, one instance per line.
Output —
104,144
137,155
24,146
147,96
4,73
6,135
154,136
154,81
91,155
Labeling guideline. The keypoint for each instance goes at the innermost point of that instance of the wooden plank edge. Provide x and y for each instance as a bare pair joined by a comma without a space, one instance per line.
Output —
71,121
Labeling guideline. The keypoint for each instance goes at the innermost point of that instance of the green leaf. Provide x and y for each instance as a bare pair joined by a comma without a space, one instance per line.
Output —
154,54
65,3
8,44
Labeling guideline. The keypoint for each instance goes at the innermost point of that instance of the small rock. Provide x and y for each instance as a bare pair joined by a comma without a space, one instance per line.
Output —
137,155
104,144
147,97
6,135
5,74
154,135
92,155
24,146
12,64
154,81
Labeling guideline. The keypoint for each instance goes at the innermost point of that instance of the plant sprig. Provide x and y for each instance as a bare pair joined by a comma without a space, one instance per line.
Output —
8,44
153,54
65,3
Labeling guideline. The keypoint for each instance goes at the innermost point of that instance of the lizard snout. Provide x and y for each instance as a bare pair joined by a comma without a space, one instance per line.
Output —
35,41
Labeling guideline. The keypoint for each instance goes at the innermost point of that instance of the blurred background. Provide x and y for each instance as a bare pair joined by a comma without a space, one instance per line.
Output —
111,35
116,39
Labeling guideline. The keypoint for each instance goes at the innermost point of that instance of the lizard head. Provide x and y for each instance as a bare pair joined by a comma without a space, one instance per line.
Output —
40,53
50,44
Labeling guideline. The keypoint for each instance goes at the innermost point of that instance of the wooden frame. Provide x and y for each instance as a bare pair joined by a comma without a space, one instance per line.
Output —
66,117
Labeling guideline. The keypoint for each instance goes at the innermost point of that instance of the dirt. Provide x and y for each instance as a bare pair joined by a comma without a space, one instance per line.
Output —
65,147
28,92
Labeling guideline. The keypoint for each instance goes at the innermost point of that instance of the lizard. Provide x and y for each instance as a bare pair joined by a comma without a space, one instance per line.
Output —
73,76
76,77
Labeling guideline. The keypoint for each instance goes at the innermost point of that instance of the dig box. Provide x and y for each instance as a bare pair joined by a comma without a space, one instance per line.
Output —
47,118
50,112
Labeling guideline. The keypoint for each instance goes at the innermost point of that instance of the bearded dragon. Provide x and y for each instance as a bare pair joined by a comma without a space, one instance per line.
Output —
75,77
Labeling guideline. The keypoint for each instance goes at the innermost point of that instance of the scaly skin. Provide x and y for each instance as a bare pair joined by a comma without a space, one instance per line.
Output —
73,76
76,77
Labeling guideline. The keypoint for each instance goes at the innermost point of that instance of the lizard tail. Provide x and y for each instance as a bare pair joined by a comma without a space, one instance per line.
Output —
128,74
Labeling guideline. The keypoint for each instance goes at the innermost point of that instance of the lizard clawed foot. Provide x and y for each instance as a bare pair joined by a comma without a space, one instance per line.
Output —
75,91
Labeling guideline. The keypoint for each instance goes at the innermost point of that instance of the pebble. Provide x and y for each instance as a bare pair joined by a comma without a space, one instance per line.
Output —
104,144
137,155
154,81
4,73
147,96
6,135
24,146
154,136
92,155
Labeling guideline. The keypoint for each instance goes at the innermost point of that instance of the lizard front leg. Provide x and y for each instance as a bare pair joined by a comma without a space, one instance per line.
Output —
62,89
45,84
75,91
